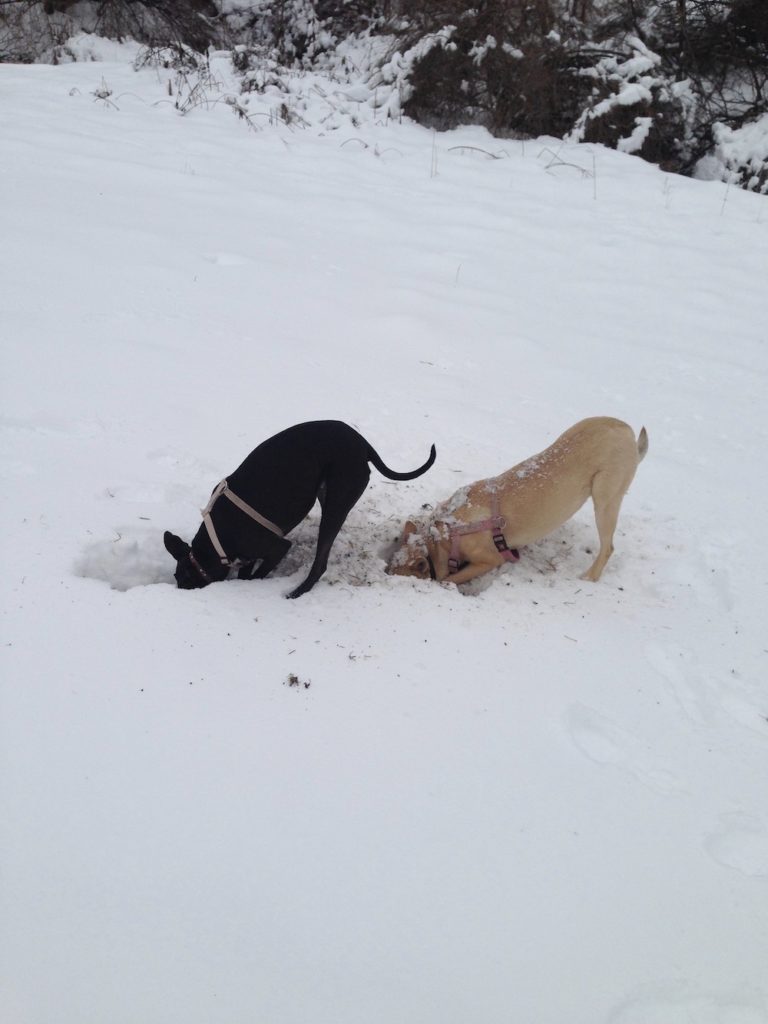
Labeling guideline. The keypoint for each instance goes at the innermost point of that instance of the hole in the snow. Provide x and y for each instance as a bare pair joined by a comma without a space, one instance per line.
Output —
134,557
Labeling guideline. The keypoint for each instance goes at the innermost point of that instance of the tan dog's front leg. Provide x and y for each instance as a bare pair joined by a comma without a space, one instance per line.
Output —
469,572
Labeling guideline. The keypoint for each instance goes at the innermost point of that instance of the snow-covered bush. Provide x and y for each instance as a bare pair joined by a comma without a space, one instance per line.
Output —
295,33
739,156
511,65
635,108
37,30
673,72
29,32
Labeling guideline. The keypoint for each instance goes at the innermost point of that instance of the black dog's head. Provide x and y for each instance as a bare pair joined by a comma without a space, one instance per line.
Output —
189,573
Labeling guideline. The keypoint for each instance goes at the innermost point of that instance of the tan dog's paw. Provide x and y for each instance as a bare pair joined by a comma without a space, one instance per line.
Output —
591,575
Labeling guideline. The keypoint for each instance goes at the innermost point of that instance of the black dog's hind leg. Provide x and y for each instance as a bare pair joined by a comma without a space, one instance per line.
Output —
339,498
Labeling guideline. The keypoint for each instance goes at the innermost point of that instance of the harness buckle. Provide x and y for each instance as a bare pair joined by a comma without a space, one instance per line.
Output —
511,554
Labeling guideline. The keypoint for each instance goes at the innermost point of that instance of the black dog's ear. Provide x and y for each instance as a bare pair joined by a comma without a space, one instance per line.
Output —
175,545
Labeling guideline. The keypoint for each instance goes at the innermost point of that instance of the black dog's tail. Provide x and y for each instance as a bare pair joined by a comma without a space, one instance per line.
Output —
391,474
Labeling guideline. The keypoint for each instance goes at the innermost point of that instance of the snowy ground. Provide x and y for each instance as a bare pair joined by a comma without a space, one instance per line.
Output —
542,802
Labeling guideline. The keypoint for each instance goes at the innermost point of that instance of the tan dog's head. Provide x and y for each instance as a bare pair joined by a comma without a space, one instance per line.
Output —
411,557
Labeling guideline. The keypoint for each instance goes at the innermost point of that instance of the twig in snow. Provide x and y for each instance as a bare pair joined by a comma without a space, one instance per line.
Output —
557,162
475,149
133,95
725,198
103,93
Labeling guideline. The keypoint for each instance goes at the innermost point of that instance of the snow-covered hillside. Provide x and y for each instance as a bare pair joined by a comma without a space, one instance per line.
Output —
544,801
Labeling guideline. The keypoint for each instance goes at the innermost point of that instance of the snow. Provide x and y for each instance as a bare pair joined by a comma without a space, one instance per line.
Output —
634,143
539,800
479,51
628,96
85,46
739,149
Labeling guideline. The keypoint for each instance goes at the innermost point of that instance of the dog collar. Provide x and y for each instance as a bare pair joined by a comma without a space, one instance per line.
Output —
199,567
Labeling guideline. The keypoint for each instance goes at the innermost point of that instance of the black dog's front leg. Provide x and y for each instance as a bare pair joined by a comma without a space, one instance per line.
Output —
272,553
305,586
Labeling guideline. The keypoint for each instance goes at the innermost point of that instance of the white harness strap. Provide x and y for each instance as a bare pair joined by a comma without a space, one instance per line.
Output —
223,489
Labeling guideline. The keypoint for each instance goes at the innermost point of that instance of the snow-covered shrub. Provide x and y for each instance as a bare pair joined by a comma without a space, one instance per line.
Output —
396,71
635,108
37,30
285,31
294,33
710,67
511,65
176,56
739,156
30,31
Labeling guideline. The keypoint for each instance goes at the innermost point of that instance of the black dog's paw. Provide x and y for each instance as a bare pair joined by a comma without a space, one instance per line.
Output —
301,589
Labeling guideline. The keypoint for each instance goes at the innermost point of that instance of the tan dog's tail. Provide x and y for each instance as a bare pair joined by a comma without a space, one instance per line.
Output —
642,444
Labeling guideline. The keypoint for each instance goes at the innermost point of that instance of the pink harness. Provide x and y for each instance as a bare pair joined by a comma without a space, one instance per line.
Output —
495,524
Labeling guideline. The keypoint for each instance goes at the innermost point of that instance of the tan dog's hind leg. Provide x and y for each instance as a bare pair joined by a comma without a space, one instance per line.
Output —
607,501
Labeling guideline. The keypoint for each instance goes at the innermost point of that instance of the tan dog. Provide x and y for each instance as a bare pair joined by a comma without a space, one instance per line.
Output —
481,525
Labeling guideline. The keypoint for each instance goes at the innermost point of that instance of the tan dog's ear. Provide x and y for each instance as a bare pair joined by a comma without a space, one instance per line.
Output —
409,529
421,568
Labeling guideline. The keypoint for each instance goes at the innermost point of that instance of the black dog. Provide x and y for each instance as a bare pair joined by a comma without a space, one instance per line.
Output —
270,493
